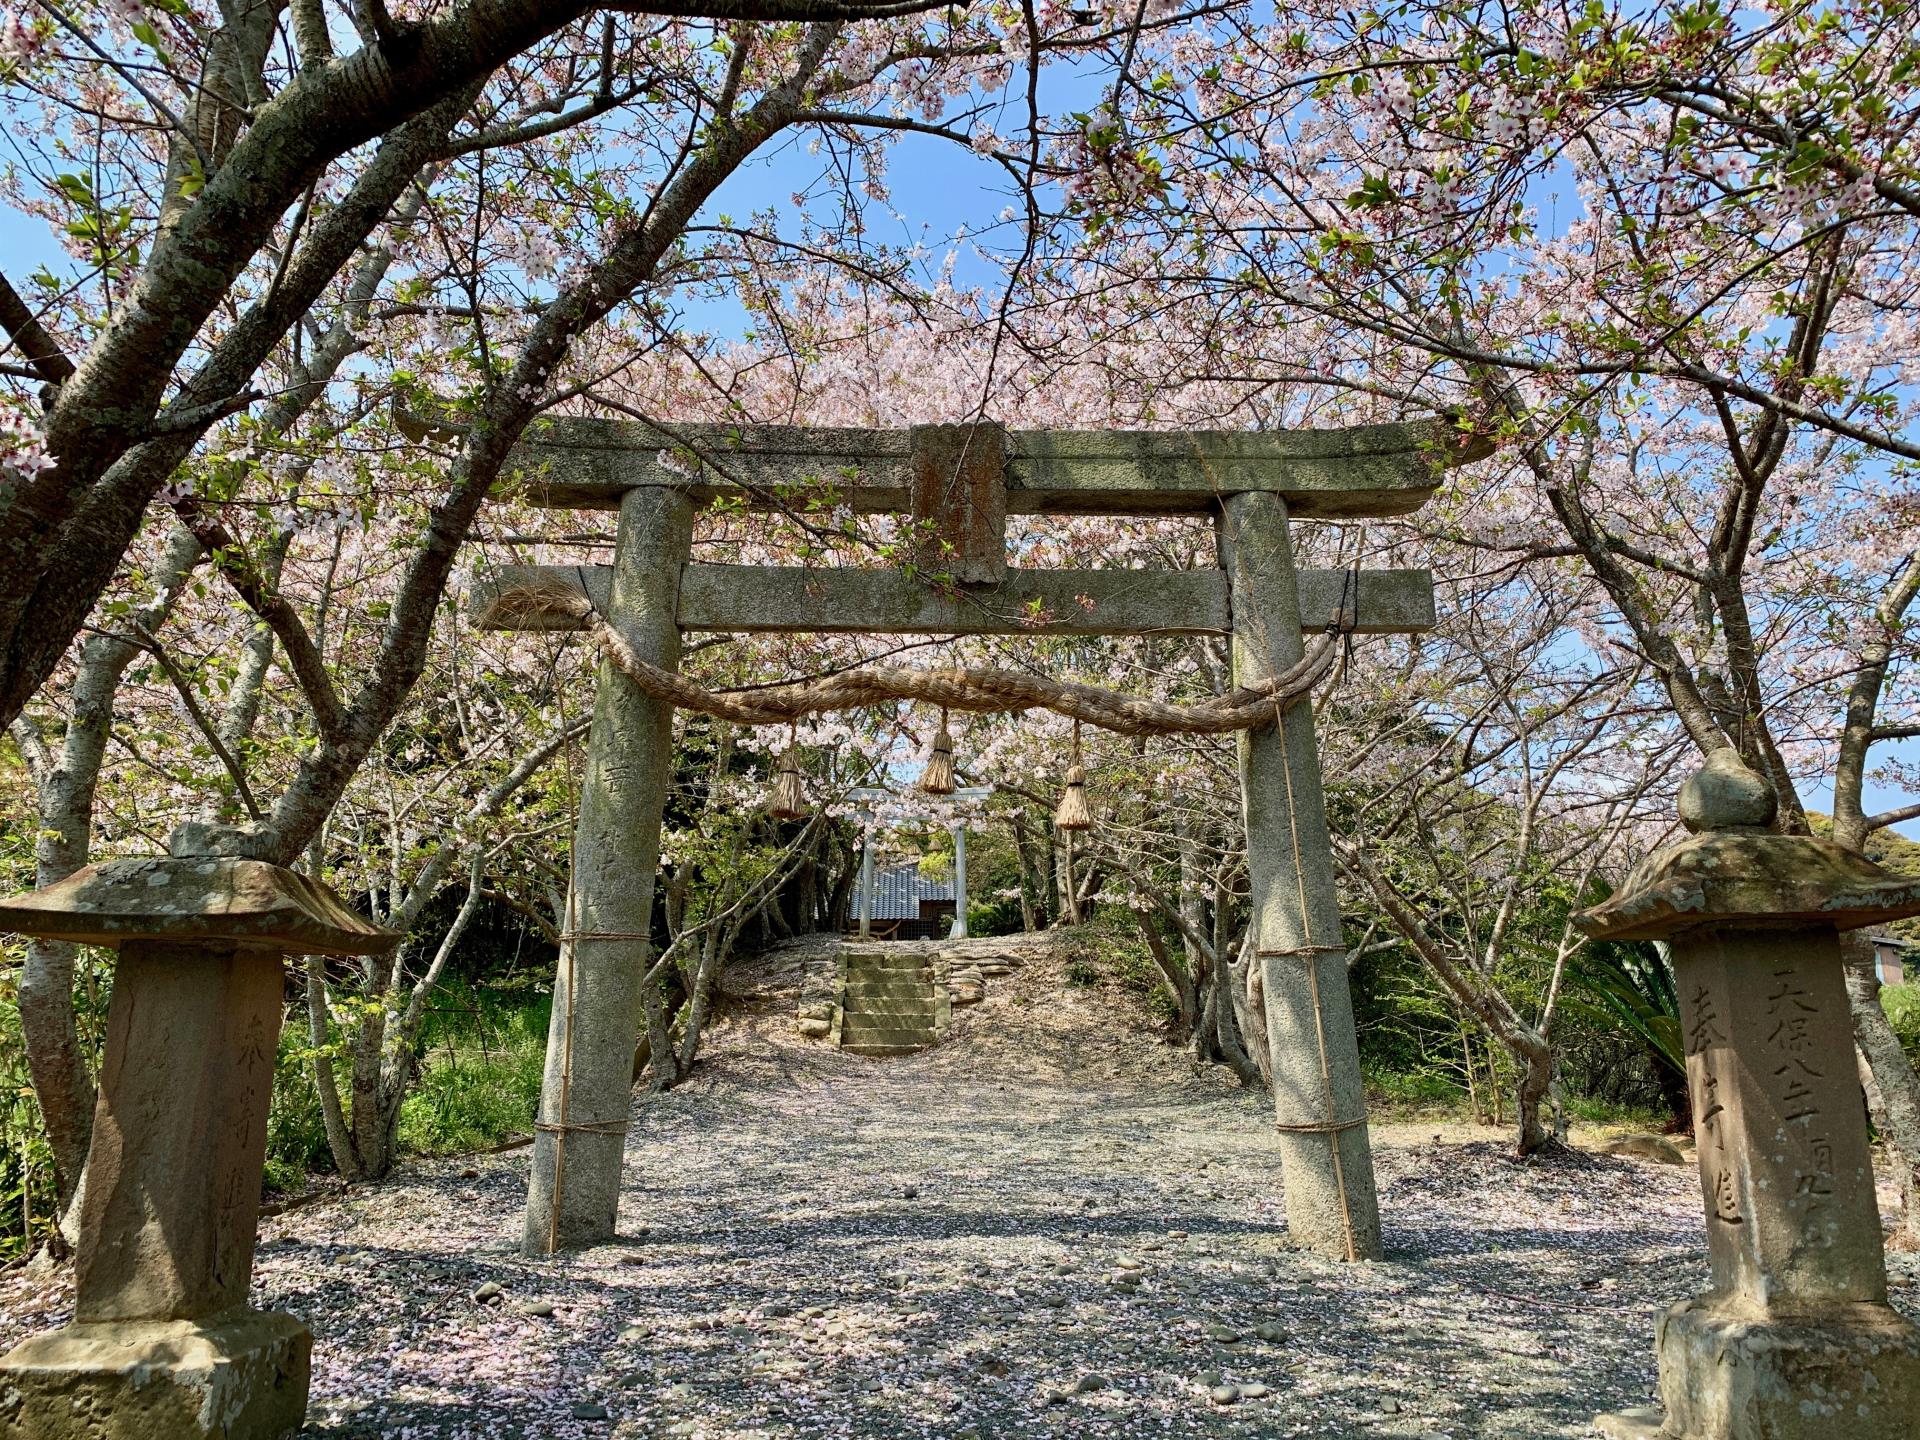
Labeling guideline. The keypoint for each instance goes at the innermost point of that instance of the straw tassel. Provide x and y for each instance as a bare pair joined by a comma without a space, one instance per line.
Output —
789,800
937,778
1074,813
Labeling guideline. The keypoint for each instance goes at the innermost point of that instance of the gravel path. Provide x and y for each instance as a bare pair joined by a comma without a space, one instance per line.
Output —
1048,1227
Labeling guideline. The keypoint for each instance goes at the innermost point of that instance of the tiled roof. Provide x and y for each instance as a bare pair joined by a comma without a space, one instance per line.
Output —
899,889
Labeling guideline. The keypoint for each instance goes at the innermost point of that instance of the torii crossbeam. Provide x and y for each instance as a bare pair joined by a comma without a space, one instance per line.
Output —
960,482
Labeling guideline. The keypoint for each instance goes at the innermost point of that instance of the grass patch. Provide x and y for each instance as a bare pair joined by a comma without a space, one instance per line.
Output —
1413,1091
1432,1095
484,1050
296,1129
1608,1113
1902,1004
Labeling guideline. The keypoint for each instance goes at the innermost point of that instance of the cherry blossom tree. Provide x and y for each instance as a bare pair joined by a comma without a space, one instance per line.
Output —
236,141
329,269
1662,254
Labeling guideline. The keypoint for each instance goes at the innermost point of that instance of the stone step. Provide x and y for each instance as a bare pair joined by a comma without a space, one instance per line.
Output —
888,1000
887,1021
857,960
893,1018
888,1033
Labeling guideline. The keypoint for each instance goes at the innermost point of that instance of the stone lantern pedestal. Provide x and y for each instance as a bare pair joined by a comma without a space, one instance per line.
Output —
1795,1341
163,1345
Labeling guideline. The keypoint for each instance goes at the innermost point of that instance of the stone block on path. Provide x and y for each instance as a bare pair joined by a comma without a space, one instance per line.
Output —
245,1376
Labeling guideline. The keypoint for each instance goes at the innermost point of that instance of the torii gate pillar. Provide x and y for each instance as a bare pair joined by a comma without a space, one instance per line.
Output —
1318,1096
580,1135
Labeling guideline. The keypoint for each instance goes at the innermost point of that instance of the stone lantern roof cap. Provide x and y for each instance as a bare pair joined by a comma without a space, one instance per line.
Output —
1734,873
195,897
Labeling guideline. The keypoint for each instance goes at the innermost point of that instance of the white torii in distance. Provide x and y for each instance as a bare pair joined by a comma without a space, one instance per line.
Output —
865,796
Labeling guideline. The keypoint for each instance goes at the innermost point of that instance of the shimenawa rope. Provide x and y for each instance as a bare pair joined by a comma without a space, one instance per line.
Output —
979,689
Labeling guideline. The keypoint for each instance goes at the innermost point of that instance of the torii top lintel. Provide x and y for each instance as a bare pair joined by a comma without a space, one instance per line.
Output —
1364,470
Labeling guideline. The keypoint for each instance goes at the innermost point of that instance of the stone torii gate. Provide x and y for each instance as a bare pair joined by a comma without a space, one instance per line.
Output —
959,482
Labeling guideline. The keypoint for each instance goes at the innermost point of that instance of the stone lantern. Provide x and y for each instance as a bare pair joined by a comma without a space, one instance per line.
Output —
1795,1341
163,1343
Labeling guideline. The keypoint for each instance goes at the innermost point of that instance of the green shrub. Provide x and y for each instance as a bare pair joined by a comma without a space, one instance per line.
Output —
1413,1089
296,1130
484,1051
1902,1004
1631,988
26,1160
1082,971
997,917
467,1103
1160,1004
27,1194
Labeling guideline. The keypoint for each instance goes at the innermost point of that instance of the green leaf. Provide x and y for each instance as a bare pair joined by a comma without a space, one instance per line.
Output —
149,37
1374,191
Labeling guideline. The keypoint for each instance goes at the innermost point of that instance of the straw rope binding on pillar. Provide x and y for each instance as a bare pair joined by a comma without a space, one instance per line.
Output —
1320,1127
602,1127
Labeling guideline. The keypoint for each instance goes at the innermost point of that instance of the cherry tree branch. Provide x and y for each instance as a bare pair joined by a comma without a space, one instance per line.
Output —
40,351
1893,817
146,640
229,557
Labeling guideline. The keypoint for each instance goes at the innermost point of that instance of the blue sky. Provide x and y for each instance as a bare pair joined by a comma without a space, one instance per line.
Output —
27,245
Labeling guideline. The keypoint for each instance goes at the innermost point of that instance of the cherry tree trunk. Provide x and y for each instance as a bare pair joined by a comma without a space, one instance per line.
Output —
62,1083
